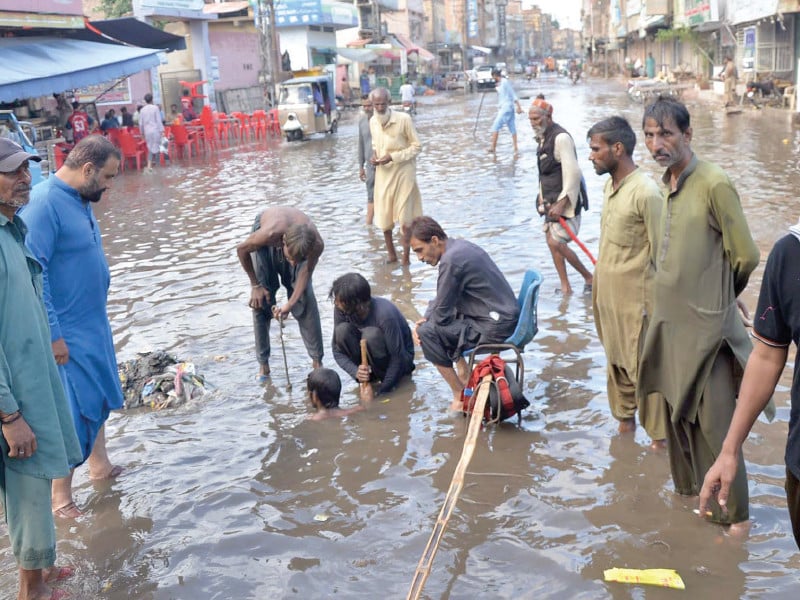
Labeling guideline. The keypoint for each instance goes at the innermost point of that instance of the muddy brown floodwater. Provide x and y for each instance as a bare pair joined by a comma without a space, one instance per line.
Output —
238,496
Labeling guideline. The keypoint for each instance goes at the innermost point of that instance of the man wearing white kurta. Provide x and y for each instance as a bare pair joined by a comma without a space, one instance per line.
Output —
395,147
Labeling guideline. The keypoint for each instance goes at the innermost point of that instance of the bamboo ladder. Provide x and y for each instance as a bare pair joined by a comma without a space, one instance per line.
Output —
457,483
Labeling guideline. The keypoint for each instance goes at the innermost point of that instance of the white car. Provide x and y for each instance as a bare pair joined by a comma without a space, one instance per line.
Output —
484,77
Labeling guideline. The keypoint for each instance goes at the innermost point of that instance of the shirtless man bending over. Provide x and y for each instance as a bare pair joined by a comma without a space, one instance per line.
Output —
283,249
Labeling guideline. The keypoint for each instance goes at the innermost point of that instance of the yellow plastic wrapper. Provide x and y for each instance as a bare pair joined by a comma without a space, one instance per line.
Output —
661,577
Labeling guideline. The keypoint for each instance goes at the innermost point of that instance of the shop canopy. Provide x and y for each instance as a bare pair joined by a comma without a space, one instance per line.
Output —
40,66
133,32
412,48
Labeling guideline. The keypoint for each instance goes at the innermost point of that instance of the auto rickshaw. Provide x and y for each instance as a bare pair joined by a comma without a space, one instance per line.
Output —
306,105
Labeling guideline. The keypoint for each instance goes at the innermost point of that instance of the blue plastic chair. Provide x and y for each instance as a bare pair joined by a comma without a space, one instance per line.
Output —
526,329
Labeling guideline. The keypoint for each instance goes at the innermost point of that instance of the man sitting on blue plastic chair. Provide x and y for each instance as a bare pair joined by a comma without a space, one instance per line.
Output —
474,303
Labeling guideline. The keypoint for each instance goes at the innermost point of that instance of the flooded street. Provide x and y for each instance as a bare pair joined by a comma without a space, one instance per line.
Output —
237,496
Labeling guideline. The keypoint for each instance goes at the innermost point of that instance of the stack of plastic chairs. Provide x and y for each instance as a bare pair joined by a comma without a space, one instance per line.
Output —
274,123
246,126
207,120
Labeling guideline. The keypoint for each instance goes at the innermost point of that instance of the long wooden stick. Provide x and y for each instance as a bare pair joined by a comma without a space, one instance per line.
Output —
457,483
366,387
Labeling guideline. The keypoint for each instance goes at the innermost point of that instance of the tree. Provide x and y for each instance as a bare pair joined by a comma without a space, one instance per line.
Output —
116,8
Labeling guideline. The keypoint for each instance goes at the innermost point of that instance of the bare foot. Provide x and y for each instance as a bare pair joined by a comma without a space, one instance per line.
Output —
392,259
627,426
565,291
659,445
739,530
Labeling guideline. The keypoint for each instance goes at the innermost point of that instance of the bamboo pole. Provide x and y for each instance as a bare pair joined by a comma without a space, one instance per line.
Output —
457,483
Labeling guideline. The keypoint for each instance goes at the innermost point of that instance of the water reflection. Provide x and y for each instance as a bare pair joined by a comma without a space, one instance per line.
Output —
220,497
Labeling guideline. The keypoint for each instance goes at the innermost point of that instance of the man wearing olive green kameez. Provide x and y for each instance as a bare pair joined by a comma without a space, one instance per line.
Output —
37,437
696,344
622,298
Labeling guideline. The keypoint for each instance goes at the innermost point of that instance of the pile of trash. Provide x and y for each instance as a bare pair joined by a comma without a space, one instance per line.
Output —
159,380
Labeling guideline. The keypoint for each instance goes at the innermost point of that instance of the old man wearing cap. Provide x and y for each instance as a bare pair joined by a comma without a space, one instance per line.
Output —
37,441
562,193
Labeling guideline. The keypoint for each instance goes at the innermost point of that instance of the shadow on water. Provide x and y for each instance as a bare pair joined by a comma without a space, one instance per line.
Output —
238,496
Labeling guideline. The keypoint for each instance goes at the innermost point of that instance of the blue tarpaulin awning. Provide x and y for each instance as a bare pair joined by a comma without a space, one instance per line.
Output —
40,66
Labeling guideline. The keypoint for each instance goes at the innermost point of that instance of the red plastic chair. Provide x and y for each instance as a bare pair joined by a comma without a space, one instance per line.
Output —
246,126
131,149
113,136
259,121
210,133
182,141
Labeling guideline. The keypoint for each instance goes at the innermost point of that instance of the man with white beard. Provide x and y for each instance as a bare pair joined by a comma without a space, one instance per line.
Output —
562,192
395,147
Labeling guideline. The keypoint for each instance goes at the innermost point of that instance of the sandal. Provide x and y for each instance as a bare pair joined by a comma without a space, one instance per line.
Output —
68,511
57,574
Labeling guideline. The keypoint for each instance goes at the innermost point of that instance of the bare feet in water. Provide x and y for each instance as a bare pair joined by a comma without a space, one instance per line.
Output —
627,426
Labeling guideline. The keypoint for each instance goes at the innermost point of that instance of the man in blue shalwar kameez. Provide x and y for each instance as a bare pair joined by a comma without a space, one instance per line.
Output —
65,238
37,439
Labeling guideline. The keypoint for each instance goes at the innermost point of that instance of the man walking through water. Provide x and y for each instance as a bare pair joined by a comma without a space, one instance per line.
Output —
65,238
395,148
37,438
283,249
561,191
696,345
506,100
622,294
474,303
366,170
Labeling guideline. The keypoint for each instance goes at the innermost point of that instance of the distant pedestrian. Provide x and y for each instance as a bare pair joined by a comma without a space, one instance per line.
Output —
152,129
79,122
126,118
395,148
366,170
506,101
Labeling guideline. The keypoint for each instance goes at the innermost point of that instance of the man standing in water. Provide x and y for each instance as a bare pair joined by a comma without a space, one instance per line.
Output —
395,148
506,100
366,170
65,238
696,345
473,305
561,191
622,291
774,329
283,249
37,438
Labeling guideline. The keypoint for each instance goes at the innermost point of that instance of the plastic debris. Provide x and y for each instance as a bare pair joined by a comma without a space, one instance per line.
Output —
321,517
158,380
661,577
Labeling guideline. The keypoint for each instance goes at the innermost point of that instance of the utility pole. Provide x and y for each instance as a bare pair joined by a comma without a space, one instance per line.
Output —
268,48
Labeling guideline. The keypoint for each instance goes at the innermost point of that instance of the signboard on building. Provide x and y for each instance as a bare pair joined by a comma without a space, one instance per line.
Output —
697,12
743,11
54,7
108,92
502,35
299,13
169,4
472,18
